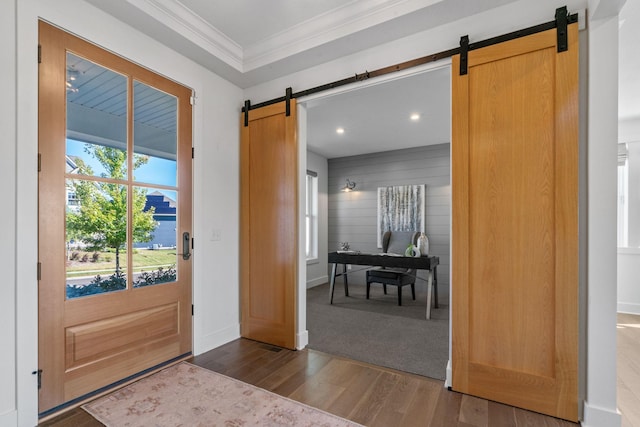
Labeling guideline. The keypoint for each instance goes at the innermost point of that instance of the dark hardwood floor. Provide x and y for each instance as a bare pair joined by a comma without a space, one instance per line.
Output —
367,394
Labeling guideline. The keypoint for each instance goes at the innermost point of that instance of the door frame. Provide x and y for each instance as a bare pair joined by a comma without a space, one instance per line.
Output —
184,181
303,333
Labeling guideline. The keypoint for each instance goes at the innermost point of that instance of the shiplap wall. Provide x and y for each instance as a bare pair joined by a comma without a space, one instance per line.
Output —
353,216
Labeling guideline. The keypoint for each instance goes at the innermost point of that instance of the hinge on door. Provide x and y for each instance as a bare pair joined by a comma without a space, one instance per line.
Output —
39,54
39,270
39,374
192,309
193,153
192,242
39,162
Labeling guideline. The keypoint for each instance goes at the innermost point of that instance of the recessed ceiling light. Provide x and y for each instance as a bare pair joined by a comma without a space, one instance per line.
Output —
415,117
340,131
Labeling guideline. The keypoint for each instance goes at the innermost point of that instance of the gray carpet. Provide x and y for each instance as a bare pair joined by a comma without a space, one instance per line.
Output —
377,330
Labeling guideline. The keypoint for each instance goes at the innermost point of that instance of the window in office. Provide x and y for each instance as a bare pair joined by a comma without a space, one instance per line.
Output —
311,216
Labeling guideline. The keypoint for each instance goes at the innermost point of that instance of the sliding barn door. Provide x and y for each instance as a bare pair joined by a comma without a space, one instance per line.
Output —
269,225
515,224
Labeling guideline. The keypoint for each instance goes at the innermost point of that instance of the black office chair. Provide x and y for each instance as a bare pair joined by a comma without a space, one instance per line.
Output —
395,242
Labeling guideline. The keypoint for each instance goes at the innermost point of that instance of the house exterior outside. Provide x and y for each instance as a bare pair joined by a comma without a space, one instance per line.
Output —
164,213
216,171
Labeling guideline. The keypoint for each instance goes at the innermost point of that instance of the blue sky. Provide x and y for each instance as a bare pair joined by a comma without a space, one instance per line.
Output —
156,171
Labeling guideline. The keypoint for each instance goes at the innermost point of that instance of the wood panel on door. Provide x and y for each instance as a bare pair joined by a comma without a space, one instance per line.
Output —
131,320
515,224
269,218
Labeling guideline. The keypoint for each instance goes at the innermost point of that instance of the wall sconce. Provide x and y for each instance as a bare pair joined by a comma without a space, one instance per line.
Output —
349,186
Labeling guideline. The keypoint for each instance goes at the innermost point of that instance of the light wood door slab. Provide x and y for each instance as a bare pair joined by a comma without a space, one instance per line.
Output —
515,224
269,218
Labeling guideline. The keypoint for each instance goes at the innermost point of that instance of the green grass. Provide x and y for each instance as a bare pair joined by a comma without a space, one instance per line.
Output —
143,259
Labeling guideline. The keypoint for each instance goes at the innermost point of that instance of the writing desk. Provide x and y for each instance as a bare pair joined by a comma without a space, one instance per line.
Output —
428,263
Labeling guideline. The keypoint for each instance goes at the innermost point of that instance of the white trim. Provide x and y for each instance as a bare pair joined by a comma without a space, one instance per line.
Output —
432,66
629,251
343,21
27,217
448,379
302,340
602,130
302,334
628,308
216,339
317,281
353,17
183,21
598,417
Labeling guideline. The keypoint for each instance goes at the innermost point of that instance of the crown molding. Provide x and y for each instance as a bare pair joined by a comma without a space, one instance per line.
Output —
354,16
185,22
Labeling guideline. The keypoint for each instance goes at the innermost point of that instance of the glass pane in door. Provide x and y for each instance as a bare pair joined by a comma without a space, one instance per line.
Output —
96,236
155,118
96,105
155,237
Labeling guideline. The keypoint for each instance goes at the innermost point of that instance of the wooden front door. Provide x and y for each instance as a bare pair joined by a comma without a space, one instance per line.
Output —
269,225
515,224
114,217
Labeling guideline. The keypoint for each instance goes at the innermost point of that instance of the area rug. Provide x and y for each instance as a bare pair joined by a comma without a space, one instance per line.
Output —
188,395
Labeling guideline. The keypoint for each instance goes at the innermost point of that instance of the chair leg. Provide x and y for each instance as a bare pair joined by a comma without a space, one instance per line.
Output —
384,288
399,295
413,291
368,288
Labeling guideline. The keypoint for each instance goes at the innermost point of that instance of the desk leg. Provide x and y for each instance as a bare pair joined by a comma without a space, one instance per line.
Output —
429,292
332,281
346,281
435,287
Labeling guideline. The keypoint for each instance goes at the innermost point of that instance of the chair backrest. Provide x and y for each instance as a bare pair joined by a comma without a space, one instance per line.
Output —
396,242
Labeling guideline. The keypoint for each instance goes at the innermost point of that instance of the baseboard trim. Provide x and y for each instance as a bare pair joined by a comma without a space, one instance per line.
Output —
448,375
598,417
216,339
317,281
302,340
628,307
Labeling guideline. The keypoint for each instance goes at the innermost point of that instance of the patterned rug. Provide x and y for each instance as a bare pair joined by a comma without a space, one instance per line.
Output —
188,395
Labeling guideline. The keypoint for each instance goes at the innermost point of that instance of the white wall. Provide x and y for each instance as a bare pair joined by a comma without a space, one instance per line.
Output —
629,130
317,270
8,412
629,258
599,385
216,186
353,216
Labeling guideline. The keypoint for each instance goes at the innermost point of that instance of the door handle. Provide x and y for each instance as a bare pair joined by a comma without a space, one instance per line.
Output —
186,246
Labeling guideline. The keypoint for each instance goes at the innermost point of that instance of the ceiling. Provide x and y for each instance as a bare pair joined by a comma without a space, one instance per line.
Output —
377,118
249,42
